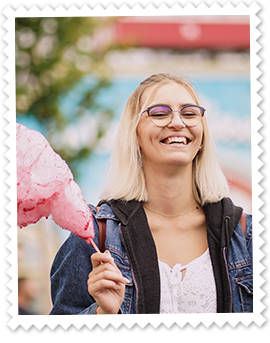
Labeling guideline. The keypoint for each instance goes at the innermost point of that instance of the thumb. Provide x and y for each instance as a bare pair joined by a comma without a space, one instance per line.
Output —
111,260
99,258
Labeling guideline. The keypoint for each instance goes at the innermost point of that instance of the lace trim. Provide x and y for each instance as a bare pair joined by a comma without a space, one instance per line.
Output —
195,293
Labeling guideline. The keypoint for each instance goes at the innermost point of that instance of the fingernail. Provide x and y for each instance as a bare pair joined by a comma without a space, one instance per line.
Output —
126,280
109,256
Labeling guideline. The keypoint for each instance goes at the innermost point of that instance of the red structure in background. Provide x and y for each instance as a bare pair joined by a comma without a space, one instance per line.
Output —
184,35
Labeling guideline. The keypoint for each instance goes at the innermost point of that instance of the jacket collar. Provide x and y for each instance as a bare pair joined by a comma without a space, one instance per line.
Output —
104,212
120,209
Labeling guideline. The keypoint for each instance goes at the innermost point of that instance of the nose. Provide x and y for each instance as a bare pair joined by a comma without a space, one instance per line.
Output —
177,121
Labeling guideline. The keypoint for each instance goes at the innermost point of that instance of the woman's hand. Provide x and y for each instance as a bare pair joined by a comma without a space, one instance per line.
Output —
106,283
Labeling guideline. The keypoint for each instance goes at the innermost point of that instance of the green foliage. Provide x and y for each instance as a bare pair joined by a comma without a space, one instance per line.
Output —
53,57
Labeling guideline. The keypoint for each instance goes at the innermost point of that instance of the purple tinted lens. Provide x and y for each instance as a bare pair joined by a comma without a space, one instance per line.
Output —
160,109
192,110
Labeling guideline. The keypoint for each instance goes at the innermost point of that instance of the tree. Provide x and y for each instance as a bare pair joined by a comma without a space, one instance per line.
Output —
60,72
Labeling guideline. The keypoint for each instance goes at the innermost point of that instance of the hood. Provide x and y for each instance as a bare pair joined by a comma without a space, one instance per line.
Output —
222,218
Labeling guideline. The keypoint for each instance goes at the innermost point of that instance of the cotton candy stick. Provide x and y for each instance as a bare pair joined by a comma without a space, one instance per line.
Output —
94,245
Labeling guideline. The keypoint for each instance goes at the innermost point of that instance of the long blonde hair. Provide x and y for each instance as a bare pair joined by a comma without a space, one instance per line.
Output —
125,179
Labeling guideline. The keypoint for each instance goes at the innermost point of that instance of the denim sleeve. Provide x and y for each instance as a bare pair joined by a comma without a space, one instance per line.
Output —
249,235
69,275
90,310
240,268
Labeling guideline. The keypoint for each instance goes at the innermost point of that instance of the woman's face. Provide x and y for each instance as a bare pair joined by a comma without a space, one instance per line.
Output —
159,145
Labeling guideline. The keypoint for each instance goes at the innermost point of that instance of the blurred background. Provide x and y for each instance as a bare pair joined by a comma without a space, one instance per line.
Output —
73,78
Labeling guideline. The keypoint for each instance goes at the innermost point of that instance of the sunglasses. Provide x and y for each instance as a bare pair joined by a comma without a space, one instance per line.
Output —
162,115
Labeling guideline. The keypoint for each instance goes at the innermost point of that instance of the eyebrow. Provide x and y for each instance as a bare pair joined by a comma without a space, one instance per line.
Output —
181,105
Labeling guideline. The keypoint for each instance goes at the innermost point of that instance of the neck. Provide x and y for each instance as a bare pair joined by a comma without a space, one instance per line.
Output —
170,192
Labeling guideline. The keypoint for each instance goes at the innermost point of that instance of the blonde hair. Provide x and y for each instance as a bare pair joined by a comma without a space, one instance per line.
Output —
125,179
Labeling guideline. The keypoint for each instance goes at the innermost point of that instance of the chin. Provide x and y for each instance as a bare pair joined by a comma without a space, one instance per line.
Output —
178,159
179,162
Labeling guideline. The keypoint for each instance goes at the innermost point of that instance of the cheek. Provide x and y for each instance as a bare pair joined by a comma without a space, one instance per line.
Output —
142,138
139,135
145,133
199,134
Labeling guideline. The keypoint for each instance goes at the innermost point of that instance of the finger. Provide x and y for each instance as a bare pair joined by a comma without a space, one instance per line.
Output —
111,261
107,275
98,287
103,267
102,258
112,275
100,266
96,273
98,258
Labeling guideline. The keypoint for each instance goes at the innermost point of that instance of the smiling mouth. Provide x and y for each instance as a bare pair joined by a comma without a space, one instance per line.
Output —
176,140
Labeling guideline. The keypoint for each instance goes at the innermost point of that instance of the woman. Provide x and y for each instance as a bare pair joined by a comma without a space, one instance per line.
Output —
174,242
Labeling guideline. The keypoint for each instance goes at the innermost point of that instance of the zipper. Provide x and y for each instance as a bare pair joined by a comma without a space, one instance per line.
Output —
132,272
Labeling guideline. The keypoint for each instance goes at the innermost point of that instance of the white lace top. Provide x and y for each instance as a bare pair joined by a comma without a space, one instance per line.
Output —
195,293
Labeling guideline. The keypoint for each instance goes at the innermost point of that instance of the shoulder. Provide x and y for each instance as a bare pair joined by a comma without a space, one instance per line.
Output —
248,225
241,244
244,226
244,232
248,232
104,211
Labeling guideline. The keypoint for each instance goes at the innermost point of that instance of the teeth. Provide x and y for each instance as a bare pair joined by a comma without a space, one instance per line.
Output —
171,140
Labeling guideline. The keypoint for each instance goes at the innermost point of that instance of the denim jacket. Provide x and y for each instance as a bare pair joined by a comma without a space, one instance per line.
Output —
135,255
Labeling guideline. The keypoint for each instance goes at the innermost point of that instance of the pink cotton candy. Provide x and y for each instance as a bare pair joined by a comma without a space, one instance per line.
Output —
45,186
